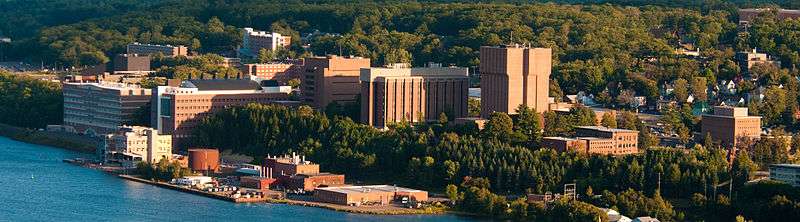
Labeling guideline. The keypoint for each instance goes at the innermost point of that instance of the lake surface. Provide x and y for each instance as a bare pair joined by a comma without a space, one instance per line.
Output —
35,185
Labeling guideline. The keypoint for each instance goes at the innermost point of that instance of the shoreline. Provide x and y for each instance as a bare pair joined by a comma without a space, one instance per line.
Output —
392,210
73,142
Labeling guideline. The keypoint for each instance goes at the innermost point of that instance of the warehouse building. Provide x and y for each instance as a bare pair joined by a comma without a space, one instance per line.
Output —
368,195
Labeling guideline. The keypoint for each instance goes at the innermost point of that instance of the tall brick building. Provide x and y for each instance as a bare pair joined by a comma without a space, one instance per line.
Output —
414,94
730,124
513,75
331,79
178,108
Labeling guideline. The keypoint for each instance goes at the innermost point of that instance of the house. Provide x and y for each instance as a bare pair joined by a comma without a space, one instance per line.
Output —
727,87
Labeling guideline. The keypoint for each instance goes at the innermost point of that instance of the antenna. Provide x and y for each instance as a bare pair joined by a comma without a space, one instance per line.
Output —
512,37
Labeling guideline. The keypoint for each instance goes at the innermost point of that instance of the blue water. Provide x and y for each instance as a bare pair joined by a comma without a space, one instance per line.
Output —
35,185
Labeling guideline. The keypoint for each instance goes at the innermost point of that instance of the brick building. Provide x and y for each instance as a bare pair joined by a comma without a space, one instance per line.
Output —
296,174
253,41
513,75
281,72
596,140
748,59
729,124
98,108
331,79
368,195
413,94
179,107
747,15
150,49
131,62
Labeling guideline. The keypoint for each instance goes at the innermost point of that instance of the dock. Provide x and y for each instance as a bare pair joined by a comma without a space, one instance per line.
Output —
263,198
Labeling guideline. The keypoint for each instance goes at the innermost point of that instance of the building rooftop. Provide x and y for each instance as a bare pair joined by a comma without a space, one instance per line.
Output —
606,129
221,84
559,138
368,189
785,165
145,44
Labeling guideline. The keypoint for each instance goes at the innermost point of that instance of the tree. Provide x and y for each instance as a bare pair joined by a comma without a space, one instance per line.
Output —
627,120
774,105
742,169
215,25
294,83
93,58
528,124
474,107
265,55
609,120
452,192
699,89
500,127
680,92
582,116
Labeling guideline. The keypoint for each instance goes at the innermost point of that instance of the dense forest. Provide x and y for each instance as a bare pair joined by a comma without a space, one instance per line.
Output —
29,102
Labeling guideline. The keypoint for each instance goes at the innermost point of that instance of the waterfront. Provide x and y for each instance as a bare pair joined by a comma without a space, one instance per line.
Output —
38,186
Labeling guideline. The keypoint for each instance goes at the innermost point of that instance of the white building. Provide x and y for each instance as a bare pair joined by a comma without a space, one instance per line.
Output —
136,143
789,173
193,180
253,41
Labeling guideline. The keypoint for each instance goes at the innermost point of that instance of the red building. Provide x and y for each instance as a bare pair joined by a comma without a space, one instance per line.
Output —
281,72
179,107
296,174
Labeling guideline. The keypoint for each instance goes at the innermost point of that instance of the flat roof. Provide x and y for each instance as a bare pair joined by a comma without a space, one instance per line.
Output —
606,129
787,165
731,117
559,138
368,189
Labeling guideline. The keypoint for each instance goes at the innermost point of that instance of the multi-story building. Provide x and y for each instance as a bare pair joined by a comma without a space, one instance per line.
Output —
137,143
281,72
131,62
596,140
253,41
748,59
788,173
178,107
231,62
399,93
98,108
296,174
149,49
513,75
747,15
332,79
730,124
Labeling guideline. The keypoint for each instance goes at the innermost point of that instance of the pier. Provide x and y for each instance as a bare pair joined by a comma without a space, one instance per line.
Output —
263,198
